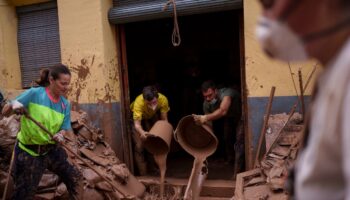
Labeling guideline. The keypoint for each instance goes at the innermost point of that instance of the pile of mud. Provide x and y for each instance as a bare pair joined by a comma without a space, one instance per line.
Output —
88,142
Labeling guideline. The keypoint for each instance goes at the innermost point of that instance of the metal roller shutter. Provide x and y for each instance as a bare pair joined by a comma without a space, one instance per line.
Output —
38,39
125,11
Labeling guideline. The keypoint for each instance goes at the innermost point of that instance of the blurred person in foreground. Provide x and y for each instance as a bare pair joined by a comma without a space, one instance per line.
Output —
293,30
36,151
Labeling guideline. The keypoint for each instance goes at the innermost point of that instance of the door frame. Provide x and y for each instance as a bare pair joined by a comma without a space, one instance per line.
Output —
125,96
248,152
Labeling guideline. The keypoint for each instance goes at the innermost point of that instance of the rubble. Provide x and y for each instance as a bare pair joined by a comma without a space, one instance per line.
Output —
268,180
9,127
275,165
87,141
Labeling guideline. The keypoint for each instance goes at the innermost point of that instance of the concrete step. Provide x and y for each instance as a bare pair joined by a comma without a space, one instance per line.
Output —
214,198
218,188
211,190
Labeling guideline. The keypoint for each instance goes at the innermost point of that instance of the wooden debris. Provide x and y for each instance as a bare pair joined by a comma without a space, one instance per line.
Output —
92,156
87,141
241,178
282,142
260,150
121,172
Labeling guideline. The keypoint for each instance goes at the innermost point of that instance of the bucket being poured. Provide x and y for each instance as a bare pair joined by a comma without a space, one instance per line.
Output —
159,138
200,142
197,140
158,143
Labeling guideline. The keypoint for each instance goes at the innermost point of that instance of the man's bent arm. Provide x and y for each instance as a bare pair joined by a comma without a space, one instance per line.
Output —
221,111
138,127
164,116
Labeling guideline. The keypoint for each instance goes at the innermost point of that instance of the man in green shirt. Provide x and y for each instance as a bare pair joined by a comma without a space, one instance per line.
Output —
222,110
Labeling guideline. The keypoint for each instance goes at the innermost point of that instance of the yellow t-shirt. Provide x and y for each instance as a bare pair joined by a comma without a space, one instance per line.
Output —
142,111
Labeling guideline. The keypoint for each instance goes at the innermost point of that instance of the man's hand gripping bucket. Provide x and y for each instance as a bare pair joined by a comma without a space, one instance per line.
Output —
200,142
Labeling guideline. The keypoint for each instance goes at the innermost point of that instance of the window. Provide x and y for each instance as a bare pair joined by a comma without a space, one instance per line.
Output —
38,39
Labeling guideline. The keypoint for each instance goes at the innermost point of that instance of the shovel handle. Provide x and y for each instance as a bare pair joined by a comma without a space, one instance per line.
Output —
4,194
75,154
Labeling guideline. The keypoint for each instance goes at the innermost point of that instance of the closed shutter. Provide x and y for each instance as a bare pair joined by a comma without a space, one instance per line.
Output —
125,11
38,39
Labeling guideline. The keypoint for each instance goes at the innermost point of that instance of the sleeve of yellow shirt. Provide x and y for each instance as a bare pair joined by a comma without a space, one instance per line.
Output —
163,103
137,108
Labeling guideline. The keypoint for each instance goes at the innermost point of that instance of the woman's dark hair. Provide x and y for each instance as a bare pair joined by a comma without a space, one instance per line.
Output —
54,72
149,93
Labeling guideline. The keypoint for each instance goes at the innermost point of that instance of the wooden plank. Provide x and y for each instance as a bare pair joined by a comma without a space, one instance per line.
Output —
281,130
93,157
301,93
259,151
239,195
125,98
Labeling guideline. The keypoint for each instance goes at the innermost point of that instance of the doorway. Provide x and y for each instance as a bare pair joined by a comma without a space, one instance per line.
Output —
209,49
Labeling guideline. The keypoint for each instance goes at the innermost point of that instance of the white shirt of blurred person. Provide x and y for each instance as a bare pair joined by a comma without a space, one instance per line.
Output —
292,30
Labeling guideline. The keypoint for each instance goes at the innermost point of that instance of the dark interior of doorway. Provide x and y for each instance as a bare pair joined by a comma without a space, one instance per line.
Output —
209,50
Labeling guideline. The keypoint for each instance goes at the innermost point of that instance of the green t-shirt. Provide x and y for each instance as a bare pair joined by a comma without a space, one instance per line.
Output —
235,106
53,115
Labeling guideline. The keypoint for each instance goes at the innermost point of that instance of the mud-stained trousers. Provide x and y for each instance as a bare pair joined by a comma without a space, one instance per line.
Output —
28,170
139,154
143,159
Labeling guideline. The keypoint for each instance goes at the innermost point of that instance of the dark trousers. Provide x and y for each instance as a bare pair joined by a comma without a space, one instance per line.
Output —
225,131
28,170
143,159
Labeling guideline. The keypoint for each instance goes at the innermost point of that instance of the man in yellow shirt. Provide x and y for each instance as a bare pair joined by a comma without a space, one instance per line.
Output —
148,107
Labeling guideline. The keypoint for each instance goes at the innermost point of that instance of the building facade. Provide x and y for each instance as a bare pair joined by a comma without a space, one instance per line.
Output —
113,48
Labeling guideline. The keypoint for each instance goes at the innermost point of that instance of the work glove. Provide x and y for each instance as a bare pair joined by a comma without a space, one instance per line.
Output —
58,137
200,119
144,135
18,107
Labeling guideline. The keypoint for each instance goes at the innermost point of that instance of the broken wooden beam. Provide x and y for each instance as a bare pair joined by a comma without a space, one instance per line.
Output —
259,151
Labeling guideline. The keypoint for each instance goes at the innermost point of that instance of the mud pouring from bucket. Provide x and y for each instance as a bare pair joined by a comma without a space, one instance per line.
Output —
200,142
158,144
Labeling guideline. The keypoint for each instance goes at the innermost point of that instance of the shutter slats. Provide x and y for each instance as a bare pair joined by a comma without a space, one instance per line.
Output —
126,11
38,40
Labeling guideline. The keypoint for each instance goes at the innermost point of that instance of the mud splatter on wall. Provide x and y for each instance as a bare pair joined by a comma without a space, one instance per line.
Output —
82,72
92,82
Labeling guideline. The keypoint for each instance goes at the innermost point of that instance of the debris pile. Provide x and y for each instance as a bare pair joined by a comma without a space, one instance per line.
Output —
283,154
171,192
9,127
87,141
282,143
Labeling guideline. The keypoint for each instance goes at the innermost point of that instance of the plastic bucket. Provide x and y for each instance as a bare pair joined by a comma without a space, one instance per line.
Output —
158,142
197,140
